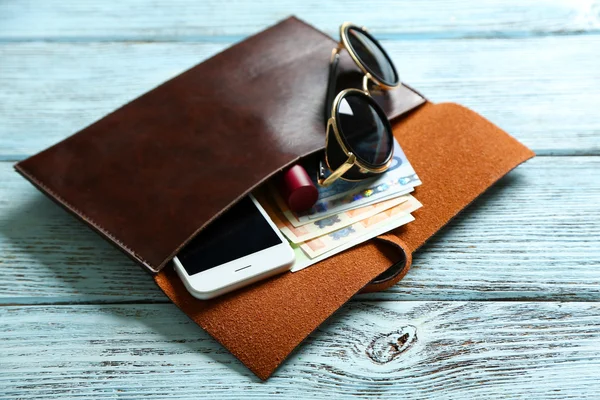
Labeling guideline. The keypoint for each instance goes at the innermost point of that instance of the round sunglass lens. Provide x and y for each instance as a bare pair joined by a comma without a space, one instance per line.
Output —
372,56
364,129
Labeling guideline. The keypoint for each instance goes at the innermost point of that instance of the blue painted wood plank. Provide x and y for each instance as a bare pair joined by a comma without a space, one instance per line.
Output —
433,350
544,91
217,20
534,236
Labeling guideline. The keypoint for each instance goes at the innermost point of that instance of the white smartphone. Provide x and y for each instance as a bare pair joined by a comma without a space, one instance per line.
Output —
241,247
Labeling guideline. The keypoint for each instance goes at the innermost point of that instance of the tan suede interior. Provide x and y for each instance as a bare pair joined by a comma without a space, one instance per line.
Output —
456,153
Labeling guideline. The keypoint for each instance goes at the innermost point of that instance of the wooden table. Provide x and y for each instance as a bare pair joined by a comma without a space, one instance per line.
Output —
504,302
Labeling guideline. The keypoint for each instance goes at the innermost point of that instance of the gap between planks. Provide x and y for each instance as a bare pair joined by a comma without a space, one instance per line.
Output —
370,298
232,39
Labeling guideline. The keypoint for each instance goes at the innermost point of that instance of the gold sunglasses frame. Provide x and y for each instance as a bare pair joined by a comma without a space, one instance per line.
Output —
332,124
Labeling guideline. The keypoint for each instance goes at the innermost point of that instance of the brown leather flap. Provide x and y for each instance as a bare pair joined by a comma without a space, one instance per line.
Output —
153,173
456,153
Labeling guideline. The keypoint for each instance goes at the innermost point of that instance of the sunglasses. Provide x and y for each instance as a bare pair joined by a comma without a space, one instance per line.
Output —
359,143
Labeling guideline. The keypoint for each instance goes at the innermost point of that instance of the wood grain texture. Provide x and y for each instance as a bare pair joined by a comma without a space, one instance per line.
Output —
530,67
197,20
535,235
433,350
549,101
52,255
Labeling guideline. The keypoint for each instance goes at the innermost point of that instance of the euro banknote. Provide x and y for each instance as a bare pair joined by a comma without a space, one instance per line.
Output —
325,243
328,224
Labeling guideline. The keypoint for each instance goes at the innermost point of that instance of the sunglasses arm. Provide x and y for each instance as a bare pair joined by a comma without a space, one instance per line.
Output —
331,83
338,172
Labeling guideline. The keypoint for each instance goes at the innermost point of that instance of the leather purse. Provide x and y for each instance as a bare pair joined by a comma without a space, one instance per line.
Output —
152,174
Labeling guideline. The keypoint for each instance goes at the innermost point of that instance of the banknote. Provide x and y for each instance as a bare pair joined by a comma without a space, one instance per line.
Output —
325,243
304,261
292,216
341,195
325,225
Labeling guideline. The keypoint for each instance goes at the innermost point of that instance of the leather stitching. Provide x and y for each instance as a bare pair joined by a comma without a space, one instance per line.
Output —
83,216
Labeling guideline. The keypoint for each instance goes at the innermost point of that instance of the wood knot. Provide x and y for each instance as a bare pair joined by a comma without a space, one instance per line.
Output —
385,348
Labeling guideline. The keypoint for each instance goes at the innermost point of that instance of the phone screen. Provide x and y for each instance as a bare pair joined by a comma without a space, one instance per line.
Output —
240,231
